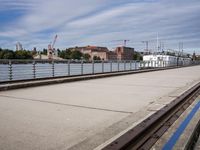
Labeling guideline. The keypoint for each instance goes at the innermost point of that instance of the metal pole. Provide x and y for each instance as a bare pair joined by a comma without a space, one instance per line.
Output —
130,65
139,67
68,67
102,66
124,65
118,65
135,65
81,67
34,71
110,66
10,70
92,66
53,71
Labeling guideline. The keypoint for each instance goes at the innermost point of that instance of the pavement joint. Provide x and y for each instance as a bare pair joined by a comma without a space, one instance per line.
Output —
64,104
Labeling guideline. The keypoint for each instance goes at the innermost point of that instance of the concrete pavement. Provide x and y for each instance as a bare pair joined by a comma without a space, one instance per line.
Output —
85,114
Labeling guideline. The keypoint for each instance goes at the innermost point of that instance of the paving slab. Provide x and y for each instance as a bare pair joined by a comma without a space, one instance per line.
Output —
73,115
37,125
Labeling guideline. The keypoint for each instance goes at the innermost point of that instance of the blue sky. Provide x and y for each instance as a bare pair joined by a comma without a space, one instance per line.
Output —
34,23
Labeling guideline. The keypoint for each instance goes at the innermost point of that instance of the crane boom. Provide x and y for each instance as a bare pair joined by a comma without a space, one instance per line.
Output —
55,38
51,50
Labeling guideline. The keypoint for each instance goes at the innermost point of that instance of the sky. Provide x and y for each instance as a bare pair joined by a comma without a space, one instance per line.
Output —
34,23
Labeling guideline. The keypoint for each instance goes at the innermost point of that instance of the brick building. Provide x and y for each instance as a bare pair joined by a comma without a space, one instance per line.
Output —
120,53
102,52
124,53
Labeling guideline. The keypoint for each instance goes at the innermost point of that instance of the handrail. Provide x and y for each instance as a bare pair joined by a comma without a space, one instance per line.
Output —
13,70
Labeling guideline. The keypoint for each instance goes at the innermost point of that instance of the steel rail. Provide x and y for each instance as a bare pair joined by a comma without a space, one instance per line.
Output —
145,134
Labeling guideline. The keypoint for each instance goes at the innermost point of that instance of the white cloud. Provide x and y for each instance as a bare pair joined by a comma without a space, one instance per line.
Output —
81,22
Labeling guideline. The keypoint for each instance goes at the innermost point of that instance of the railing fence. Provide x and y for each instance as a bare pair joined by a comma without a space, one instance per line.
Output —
11,70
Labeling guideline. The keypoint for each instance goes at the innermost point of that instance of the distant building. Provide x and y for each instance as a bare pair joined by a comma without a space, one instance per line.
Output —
101,52
124,53
121,53
19,46
112,55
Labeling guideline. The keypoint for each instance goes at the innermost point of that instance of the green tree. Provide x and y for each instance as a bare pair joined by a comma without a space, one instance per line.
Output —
86,56
68,54
76,55
44,51
6,54
62,54
137,56
96,58
23,54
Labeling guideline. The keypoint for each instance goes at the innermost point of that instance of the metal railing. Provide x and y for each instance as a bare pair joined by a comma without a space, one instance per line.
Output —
13,70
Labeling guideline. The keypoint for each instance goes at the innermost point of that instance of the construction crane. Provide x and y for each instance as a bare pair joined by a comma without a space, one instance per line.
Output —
147,45
51,49
124,42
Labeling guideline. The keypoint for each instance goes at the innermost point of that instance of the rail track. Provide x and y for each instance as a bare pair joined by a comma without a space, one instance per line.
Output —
145,134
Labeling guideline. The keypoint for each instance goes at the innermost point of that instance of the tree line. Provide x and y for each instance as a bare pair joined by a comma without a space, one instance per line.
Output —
20,54
73,54
65,54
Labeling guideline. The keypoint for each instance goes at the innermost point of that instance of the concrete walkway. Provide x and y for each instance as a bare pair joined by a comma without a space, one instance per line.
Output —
85,114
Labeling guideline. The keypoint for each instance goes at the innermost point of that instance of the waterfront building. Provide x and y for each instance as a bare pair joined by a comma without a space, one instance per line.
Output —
95,51
124,53
120,53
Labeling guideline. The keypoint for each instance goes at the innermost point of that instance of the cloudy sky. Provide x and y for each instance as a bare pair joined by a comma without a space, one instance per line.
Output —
34,23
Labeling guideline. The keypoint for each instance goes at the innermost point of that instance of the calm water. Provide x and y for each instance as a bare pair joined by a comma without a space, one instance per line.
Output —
25,71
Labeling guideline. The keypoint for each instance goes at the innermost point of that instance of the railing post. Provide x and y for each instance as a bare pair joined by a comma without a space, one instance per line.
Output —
68,67
140,65
34,70
53,71
110,66
130,64
81,67
135,64
118,65
10,70
92,66
102,66
124,65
